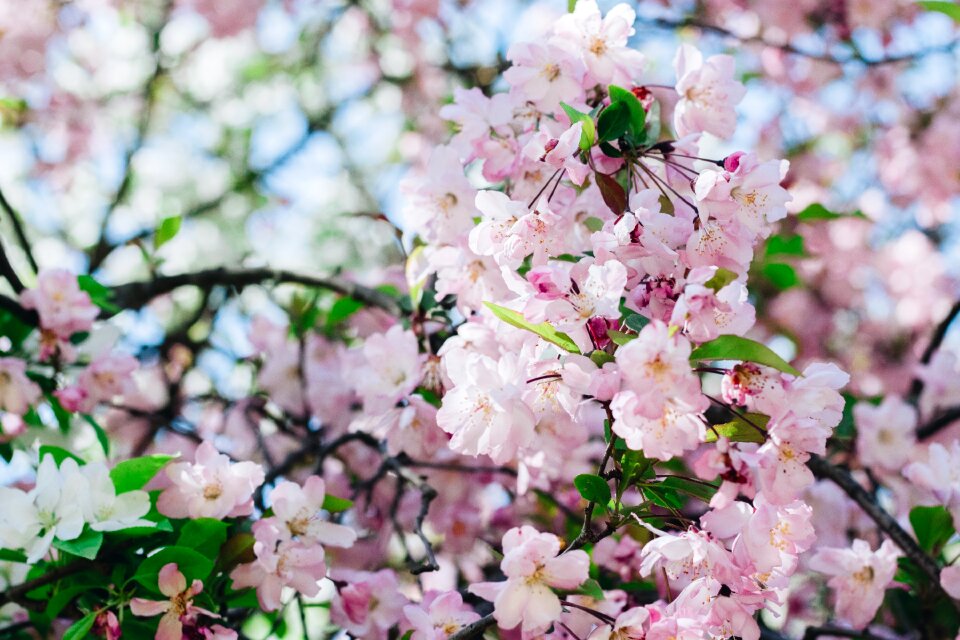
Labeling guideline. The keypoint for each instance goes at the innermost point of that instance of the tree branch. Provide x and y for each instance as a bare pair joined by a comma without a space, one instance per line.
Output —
17,223
474,629
842,478
916,387
856,56
940,421
135,295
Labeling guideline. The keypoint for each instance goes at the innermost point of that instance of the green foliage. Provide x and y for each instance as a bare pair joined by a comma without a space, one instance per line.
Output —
167,230
951,9
747,428
81,628
619,337
99,294
137,472
613,194
720,279
932,526
593,488
739,348
59,454
636,322
86,546
544,330
781,275
816,212
205,535
333,504
588,134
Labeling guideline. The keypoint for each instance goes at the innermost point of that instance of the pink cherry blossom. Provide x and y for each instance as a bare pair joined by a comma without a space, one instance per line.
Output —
63,308
859,579
281,562
368,604
708,93
210,487
386,368
601,41
17,392
885,433
533,568
298,508
178,609
438,616
546,74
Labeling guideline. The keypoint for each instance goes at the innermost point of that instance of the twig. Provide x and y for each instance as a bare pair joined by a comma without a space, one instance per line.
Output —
940,421
17,223
135,295
17,593
842,478
474,629
916,387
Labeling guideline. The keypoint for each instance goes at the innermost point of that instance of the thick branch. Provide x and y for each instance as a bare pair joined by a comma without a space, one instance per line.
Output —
665,23
940,421
17,224
916,387
135,295
842,478
474,629
17,593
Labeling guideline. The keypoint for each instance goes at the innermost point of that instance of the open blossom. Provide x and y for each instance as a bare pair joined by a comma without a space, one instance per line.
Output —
705,314
860,577
108,376
484,411
939,475
885,433
63,308
438,616
546,74
298,509
17,391
210,487
387,368
103,509
559,152
750,194
52,509
280,562
178,609
369,604
708,93
533,569
601,42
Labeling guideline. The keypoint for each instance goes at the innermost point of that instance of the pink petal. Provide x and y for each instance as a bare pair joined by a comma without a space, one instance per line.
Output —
172,582
147,608
170,628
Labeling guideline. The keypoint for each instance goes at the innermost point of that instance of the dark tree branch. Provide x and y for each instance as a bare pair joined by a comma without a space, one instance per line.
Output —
940,421
474,629
842,478
786,47
27,316
135,295
8,272
17,593
17,223
916,387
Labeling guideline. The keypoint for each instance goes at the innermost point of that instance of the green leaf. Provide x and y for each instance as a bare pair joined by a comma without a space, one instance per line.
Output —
591,588
933,527
59,454
780,245
619,337
99,294
205,535
8,555
342,309
101,434
638,115
62,415
947,8
593,488
783,276
86,546
237,550
816,212
409,633
13,328
613,194
738,348
166,230
636,322
588,133
601,358
81,628
740,430
699,490
633,465
333,504
544,330
664,496
720,279
593,224
190,563
133,474
613,122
